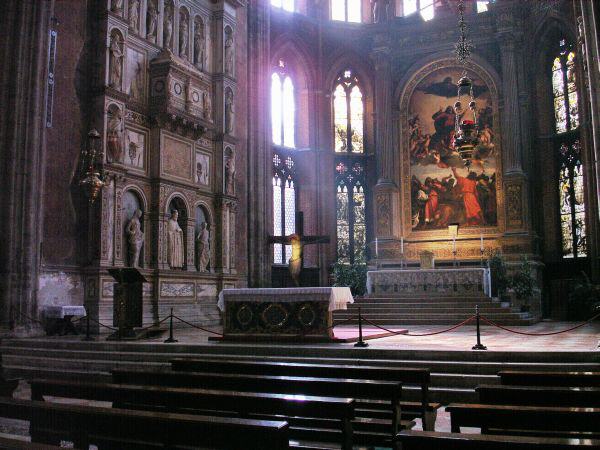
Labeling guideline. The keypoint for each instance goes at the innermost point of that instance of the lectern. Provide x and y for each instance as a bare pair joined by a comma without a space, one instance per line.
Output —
127,301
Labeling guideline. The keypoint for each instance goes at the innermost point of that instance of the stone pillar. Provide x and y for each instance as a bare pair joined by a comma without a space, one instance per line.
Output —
24,50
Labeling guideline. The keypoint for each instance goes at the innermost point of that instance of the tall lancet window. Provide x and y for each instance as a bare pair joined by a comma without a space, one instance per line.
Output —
284,204
283,107
287,5
350,208
346,10
570,177
348,126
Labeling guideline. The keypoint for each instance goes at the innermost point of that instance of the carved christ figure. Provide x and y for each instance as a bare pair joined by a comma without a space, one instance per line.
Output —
151,21
203,248
135,238
175,249
116,61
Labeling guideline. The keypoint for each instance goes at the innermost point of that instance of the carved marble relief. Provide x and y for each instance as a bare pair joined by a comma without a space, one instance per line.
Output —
202,173
135,75
383,206
114,134
176,158
514,206
135,148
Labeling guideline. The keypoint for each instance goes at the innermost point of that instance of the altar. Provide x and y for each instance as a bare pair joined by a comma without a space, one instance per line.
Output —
439,282
287,313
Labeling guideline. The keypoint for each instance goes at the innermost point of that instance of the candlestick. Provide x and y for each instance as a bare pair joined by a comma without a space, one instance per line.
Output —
376,249
454,244
402,245
481,246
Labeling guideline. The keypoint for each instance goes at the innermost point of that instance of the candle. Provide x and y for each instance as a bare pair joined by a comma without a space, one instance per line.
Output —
454,244
481,246
402,245
376,249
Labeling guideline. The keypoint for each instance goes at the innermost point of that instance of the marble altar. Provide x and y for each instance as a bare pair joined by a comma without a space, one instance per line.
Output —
304,312
440,282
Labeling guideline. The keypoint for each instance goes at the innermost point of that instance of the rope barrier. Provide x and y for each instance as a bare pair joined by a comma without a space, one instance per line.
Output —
464,322
30,318
196,326
540,334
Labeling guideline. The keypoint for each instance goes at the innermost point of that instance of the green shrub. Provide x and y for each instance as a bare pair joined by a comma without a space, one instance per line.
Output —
353,276
584,300
498,274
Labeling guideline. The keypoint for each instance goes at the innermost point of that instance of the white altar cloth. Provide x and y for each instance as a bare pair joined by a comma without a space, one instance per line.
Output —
450,282
339,297
59,312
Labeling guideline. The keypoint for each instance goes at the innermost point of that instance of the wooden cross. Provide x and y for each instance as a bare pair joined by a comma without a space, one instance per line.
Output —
298,240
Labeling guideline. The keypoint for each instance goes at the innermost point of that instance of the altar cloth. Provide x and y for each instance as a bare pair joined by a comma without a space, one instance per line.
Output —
339,297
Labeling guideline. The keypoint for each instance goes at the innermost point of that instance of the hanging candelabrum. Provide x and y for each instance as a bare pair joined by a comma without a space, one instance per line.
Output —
91,173
466,131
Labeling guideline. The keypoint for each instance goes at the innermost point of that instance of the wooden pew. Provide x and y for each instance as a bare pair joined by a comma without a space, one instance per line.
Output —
539,378
526,420
366,431
539,396
17,444
337,411
407,376
428,440
116,428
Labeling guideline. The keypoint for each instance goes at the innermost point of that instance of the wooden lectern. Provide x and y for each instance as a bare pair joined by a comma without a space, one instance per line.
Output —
127,301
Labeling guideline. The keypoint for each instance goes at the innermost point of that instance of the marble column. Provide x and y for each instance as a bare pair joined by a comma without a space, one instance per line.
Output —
383,115
24,50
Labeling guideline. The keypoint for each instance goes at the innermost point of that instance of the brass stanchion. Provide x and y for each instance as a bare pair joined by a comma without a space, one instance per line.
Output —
88,336
479,345
168,341
360,342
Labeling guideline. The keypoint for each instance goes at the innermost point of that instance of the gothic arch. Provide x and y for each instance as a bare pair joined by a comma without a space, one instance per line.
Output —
140,193
180,196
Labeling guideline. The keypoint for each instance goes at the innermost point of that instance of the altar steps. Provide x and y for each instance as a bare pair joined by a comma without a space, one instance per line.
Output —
431,311
454,373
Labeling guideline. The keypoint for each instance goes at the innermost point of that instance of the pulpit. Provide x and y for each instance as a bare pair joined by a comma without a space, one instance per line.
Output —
127,301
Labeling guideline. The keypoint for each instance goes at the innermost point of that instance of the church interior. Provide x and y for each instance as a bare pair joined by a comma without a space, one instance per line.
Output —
309,224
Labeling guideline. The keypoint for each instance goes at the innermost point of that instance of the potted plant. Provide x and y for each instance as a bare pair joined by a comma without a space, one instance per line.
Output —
522,283
353,276
499,276
584,300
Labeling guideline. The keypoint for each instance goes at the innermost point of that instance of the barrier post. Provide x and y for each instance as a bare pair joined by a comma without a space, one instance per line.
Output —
168,341
360,342
87,337
479,345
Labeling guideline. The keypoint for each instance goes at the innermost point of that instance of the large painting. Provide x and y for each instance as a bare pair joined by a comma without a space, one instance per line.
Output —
443,189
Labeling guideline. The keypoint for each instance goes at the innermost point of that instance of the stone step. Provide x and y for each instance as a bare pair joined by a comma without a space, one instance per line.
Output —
429,309
429,299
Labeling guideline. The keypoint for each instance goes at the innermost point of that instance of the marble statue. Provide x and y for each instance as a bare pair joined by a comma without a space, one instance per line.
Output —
206,106
134,14
203,248
115,61
175,248
114,134
151,21
183,34
229,173
135,238
229,111
229,51
168,27
117,6
199,45
136,88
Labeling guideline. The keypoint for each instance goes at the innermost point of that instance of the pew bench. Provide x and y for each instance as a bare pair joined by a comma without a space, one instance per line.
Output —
526,420
540,378
420,377
428,440
367,431
112,428
309,417
18,444
539,395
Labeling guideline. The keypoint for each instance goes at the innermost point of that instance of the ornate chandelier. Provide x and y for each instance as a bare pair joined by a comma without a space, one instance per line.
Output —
466,131
91,173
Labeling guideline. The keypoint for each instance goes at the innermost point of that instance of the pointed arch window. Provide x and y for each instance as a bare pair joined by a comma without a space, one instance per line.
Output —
350,212
346,10
287,5
570,167
283,107
348,114
425,7
284,204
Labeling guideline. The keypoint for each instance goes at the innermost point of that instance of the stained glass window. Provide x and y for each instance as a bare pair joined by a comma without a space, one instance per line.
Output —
425,7
572,201
348,114
283,109
350,207
346,10
284,204
287,5
564,90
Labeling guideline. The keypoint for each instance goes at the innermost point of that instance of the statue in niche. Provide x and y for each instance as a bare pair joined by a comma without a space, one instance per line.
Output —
168,27
229,172
117,6
183,34
203,248
206,106
151,21
229,53
136,89
229,111
175,249
114,134
134,14
115,61
135,238
199,44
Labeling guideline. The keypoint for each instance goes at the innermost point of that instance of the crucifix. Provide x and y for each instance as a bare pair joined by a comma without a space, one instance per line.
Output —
298,240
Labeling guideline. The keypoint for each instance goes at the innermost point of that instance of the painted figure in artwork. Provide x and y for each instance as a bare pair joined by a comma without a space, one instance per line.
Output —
203,248
175,248
468,189
135,238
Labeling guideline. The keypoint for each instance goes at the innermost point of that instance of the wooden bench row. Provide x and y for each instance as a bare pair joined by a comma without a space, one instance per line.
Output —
541,378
